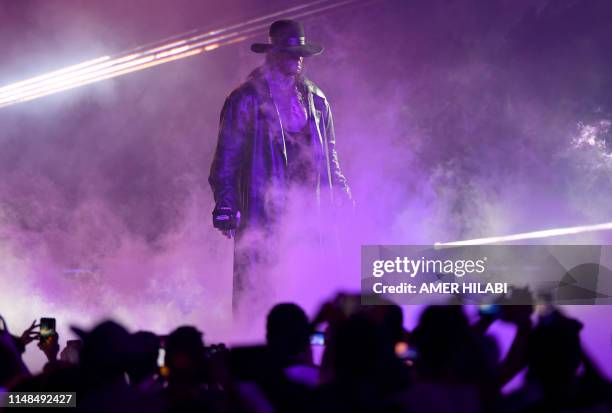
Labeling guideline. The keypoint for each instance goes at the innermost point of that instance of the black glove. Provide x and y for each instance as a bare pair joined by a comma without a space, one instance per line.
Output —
225,218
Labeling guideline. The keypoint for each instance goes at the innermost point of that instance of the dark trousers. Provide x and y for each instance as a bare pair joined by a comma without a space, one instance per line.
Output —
254,255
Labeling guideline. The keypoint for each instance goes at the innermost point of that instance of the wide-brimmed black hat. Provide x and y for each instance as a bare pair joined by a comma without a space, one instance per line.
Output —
287,36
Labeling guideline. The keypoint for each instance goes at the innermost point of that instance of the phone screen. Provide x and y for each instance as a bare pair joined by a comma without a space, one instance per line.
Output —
404,352
317,338
161,357
47,327
491,310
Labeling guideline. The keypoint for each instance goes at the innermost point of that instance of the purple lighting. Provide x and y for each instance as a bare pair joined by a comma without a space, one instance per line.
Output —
456,123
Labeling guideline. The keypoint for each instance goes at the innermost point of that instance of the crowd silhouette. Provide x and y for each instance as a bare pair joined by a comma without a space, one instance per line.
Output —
370,363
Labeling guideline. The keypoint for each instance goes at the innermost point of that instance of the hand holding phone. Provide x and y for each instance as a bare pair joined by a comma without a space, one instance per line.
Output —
49,340
47,328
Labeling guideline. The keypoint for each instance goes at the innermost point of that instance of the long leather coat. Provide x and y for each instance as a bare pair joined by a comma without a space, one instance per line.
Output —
251,156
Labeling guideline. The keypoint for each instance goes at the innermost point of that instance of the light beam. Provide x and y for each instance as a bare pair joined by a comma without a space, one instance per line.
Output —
547,233
153,54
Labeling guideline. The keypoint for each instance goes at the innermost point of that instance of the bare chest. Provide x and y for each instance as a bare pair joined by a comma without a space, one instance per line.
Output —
291,109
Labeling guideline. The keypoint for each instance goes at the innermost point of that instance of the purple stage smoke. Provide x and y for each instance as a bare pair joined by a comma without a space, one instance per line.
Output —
455,120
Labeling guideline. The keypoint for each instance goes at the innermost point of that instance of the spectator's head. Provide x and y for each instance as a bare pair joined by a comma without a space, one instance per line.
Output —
358,349
288,333
105,351
446,346
554,351
143,359
185,355
389,317
11,365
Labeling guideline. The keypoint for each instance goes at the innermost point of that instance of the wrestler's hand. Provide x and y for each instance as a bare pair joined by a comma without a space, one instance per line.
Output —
226,220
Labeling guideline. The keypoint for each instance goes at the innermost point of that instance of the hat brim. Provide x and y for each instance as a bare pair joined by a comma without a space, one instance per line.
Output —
308,49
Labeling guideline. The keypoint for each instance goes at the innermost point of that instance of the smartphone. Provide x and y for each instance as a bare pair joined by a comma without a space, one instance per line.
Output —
317,338
404,352
47,327
161,357
490,310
